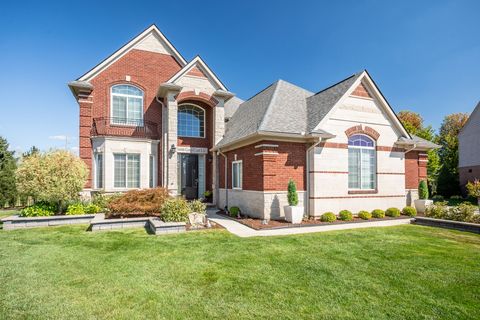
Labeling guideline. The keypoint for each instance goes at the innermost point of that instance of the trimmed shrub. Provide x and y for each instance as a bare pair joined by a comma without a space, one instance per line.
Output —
175,210
409,211
437,198
40,209
292,195
423,190
75,209
328,217
438,210
378,214
345,215
464,212
234,211
365,215
198,206
392,212
138,202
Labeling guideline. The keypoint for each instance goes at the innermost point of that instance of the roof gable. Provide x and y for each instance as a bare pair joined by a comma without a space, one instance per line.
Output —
151,39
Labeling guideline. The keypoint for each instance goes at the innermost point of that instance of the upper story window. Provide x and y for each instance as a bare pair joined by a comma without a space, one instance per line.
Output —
362,169
127,105
191,121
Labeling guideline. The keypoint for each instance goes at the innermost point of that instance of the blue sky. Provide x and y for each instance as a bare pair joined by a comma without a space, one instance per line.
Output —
424,55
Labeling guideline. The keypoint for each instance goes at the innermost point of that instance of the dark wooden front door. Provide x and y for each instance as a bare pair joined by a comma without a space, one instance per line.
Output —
189,175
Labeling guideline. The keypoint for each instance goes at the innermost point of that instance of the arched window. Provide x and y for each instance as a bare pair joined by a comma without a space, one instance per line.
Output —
362,168
127,105
191,121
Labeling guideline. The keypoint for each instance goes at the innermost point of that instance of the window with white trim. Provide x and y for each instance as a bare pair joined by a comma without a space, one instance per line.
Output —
237,174
191,121
126,168
126,105
99,170
362,167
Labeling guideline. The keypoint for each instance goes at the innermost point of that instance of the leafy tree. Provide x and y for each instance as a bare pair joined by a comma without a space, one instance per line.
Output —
8,165
448,181
33,150
54,177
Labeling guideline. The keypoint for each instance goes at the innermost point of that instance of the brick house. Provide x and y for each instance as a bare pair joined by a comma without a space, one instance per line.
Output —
150,118
469,148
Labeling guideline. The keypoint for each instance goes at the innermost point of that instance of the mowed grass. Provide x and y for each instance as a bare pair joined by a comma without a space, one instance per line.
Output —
405,272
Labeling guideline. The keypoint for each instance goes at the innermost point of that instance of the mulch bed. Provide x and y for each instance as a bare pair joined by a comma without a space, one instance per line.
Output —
278,224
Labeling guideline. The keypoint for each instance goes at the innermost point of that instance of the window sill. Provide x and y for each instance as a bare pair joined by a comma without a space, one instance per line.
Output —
191,137
126,125
362,191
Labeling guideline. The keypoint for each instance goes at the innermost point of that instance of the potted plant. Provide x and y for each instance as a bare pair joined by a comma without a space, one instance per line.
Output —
473,189
422,203
207,196
293,212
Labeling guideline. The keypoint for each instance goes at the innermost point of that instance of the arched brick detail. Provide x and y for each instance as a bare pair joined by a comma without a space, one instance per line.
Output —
363,130
190,95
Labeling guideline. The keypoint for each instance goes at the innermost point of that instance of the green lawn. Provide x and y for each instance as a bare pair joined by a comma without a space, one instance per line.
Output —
405,272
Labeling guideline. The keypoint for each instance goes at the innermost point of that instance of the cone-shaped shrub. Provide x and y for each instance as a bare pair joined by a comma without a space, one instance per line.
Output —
423,190
292,193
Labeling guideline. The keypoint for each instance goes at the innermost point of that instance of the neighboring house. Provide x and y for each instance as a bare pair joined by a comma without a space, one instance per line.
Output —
150,118
469,148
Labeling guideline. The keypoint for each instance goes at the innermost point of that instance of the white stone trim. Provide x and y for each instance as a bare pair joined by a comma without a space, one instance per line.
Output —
266,145
194,150
266,152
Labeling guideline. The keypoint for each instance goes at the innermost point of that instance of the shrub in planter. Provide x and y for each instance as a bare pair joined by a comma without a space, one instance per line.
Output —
423,190
378,214
234,211
392,212
139,202
175,210
365,215
464,212
438,210
41,209
345,215
409,211
198,206
328,217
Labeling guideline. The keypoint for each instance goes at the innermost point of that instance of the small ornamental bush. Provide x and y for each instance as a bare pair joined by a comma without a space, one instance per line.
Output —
75,209
138,202
234,211
464,212
378,214
345,215
92,208
473,189
423,190
175,210
198,206
392,212
328,217
438,210
365,215
409,211
41,209
437,198
292,195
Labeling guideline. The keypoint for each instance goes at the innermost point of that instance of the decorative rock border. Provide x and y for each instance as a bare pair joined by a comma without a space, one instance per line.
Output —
17,222
449,224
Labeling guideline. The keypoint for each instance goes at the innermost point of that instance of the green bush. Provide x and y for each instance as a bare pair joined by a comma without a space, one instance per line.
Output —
378,214
92,208
292,195
365,215
423,190
175,210
234,211
437,198
464,212
198,206
409,211
438,210
41,209
75,209
328,217
102,200
345,215
392,212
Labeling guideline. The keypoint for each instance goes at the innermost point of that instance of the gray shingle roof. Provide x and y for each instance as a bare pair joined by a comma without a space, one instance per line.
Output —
231,106
422,143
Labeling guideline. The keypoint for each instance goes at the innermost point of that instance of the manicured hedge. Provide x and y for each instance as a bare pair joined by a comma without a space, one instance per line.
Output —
378,214
409,211
392,212
345,215
328,217
365,215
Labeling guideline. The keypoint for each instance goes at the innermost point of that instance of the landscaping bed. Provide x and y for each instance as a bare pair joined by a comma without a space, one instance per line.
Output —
258,224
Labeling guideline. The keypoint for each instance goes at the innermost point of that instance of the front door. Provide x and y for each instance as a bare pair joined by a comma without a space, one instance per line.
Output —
188,172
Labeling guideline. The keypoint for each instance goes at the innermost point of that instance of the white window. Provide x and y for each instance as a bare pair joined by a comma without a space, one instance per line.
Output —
362,168
99,170
191,121
126,105
152,171
126,170
237,174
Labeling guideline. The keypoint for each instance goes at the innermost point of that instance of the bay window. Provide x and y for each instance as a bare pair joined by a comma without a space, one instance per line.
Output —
126,170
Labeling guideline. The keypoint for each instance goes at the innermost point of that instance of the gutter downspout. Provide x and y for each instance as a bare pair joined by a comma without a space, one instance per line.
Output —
307,205
408,150
226,178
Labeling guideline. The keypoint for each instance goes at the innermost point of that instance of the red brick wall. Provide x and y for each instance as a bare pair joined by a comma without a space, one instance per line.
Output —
361,91
415,168
268,171
147,70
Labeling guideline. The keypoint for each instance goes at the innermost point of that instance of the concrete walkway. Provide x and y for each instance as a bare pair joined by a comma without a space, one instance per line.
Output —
243,231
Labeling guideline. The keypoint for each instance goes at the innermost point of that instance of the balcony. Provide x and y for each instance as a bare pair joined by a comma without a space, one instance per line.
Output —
121,127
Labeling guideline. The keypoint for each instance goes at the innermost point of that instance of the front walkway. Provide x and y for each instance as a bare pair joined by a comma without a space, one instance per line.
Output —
243,231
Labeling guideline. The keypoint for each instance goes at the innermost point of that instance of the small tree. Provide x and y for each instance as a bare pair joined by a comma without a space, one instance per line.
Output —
8,164
55,177
292,193
423,190
473,189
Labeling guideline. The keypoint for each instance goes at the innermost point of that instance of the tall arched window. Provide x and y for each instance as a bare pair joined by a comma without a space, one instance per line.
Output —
362,168
127,105
191,121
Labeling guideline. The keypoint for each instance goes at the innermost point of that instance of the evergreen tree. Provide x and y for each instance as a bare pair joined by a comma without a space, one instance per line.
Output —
8,165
